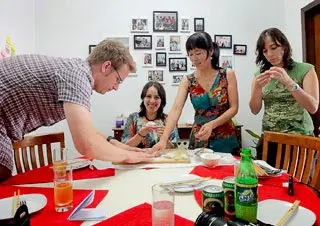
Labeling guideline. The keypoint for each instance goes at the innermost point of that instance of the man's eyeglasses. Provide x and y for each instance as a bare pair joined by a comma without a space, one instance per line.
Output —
119,79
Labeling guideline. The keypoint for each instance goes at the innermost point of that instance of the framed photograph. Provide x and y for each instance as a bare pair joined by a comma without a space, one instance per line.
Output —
176,79
198,24
223,41
91,47
161,59
185,25
160,42
139,25
226,62
175,44
165,21
178,64
142,41
239,49
124,40
155,75
147,59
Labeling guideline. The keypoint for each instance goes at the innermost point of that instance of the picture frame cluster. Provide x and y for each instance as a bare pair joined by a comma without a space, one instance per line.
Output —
166,40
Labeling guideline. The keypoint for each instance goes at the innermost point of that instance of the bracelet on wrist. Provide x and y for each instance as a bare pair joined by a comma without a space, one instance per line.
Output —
140,135
110,138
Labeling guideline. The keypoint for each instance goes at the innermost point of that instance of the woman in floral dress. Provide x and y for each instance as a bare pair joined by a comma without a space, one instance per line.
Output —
214,96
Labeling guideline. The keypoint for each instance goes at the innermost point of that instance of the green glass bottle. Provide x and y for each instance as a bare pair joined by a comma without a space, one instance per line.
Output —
246,185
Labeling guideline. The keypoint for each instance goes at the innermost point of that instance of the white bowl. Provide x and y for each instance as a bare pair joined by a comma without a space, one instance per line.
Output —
210,159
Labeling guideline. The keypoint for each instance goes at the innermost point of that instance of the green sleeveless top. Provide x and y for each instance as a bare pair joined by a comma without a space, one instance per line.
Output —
282,112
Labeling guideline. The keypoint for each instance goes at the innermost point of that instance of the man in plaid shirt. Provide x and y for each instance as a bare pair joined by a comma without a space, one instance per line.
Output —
38,90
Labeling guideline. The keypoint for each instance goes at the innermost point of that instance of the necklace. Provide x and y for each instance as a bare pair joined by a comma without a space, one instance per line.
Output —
150,119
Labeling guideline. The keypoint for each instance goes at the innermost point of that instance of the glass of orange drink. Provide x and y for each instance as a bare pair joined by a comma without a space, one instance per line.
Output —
63,193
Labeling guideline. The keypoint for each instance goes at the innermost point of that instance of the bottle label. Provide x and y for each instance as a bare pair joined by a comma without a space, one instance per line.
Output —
246,195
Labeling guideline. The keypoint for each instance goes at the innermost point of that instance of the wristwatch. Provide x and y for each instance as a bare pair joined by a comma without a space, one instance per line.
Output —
294,87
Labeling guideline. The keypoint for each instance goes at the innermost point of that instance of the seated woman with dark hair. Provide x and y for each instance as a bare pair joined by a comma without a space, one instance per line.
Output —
143,129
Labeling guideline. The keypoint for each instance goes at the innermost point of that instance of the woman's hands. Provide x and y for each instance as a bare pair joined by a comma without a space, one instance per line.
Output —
205,131
145,130
281,75
159,130
262,80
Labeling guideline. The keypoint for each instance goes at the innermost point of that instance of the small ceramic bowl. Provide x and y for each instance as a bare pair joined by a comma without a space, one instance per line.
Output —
210,159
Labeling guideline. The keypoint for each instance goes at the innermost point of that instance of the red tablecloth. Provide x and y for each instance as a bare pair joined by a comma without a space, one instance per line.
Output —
271,189
45,174
48,215
139,216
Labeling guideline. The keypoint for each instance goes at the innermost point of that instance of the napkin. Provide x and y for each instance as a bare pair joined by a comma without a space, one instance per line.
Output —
267,168
79,213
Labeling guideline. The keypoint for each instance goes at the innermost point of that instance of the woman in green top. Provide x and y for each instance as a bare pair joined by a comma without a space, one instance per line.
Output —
288,89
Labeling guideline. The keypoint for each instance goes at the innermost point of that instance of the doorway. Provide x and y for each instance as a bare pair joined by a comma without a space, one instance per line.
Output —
310,19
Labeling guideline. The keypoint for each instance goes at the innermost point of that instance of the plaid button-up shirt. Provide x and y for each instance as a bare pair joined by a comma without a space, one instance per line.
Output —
32,91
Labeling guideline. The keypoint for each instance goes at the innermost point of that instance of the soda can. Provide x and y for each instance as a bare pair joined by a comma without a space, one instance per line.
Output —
228,186
212,199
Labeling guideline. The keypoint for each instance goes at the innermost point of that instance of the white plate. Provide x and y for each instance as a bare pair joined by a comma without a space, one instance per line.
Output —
270,211
205,150
35,202
79,163
187,187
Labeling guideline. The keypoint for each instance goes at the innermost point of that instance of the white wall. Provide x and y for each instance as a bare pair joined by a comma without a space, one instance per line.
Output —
17,21
67,27
293,25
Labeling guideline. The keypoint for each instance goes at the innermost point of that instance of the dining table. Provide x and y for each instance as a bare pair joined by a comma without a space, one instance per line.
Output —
125,194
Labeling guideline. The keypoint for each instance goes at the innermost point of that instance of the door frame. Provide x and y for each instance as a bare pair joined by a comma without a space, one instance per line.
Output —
306,12
308,46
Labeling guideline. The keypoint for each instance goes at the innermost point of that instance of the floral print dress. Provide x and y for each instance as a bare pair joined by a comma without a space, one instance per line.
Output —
209,106
135,123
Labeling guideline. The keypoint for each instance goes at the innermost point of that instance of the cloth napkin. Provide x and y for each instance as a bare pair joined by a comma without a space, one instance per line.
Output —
45,175
303,193
82,213
139,216
48,215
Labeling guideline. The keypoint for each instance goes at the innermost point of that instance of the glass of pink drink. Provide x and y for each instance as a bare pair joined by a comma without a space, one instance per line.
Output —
162,205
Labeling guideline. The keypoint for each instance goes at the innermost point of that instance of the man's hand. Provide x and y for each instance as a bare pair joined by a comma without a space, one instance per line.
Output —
135,149
136,157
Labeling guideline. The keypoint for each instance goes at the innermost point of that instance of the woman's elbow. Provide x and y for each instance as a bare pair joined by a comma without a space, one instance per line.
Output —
313,109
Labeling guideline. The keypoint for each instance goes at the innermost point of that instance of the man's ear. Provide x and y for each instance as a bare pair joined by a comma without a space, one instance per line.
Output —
106,66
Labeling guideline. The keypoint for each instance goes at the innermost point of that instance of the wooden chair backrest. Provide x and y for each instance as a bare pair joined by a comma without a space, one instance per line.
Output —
32,143
301,155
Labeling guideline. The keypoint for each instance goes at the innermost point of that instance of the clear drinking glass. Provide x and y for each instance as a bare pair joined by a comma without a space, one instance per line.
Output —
63,193
236,167
162,205
59,156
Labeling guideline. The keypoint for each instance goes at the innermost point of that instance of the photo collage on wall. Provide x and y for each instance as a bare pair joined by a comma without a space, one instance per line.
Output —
163,50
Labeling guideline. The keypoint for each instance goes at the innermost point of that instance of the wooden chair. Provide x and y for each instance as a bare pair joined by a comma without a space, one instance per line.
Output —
300,157
25,151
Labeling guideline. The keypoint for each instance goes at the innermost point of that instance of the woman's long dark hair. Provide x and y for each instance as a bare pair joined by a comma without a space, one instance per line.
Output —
202,40
162,95
277,37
